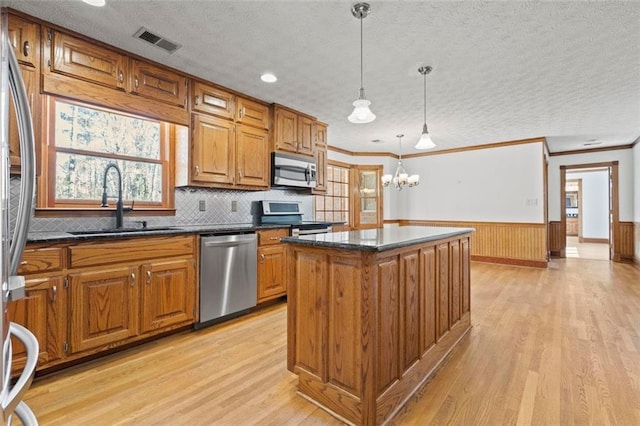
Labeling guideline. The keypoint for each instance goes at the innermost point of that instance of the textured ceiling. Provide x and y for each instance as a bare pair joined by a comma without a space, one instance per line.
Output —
568,71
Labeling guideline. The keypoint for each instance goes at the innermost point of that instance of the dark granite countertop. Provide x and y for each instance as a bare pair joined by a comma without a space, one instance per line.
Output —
221,228
380,239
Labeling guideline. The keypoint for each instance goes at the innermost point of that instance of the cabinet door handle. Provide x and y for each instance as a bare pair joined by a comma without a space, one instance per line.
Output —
241,112
26,47
133,279
197,170
239,174
120,76
135,81
262,258
148,277
54,291
275,238
197,100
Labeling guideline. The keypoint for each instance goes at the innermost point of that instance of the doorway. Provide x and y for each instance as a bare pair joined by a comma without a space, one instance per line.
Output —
587,201
589,211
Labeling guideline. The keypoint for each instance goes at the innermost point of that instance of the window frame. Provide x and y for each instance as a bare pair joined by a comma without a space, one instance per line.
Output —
46,196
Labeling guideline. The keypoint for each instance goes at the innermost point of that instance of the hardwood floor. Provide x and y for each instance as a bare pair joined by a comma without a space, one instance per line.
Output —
593,251
554,346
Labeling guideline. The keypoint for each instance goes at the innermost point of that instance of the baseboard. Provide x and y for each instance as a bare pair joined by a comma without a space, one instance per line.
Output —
594,240
507,261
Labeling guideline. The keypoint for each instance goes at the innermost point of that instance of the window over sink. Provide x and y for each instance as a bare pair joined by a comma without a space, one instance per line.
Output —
83,139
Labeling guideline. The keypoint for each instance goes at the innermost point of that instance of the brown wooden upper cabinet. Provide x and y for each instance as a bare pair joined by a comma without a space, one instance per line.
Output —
320,155
212,100
293,132
158,83
252,113
24,38
84,60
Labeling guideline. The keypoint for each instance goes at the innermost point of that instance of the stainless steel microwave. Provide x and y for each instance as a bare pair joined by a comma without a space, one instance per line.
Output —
293,170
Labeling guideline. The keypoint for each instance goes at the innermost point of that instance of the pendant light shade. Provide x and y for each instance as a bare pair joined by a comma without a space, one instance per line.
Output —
425,141
361,113
401,177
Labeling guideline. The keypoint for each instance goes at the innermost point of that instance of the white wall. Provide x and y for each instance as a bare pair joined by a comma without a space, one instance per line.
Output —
595,203
625,179
503,184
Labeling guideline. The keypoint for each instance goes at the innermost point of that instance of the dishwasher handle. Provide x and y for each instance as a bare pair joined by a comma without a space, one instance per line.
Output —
229,240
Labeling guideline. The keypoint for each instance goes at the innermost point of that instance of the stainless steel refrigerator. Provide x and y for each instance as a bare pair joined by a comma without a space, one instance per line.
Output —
12,241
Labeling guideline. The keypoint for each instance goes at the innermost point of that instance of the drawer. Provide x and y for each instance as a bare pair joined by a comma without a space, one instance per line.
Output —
40,260
271,236
130,251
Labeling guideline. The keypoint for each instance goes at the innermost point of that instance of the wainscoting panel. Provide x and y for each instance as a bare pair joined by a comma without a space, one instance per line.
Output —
499,242
555,238
636,239
627,241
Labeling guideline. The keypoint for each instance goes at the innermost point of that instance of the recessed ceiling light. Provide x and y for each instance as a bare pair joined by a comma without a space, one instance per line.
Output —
98,3
268,77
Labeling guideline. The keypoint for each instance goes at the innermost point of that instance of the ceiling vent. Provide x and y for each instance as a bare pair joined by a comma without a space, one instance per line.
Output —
156,40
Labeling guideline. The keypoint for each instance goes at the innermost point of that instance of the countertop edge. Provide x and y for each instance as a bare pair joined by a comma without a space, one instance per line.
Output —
312,241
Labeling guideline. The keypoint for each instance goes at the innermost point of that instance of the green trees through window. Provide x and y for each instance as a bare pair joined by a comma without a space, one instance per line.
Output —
87,139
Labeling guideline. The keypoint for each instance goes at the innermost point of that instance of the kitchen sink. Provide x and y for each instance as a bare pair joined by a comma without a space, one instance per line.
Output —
120,230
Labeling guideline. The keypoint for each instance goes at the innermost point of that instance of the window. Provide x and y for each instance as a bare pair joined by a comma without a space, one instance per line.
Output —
334,205
84,139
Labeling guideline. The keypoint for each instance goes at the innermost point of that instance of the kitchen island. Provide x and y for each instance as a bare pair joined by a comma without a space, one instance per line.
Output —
373,313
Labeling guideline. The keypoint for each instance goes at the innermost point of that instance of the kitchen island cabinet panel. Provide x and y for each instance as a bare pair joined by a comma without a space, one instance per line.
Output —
442,256
168,294
104,307
370,315
428,299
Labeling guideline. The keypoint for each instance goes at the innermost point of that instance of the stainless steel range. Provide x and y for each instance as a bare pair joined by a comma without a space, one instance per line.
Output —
289,213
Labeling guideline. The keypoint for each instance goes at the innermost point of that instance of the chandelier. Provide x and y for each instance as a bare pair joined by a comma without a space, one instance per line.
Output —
401,177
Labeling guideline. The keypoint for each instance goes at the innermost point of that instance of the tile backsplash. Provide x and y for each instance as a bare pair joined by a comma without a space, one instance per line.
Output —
217,209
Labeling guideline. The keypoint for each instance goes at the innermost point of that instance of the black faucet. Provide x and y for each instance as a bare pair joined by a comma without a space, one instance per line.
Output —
120,209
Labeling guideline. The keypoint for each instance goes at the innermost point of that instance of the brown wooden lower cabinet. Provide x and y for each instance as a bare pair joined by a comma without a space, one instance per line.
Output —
41,311
272,264
106,300
367,329
168,294
104,307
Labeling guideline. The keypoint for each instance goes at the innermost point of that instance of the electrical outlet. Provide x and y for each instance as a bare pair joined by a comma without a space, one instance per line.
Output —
202,205
234,206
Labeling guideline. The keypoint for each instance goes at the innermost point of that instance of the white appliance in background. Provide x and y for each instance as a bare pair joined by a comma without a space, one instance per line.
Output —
12,245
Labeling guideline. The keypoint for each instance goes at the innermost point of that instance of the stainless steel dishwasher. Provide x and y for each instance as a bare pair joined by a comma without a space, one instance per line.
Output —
228,276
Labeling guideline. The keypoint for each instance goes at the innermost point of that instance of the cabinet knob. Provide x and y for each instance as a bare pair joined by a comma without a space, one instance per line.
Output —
133,279
54,291
26,48
148,277
240,174
120,76
197,170
262,258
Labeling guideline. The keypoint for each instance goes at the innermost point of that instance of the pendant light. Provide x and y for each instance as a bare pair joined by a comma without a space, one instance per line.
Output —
361,113
425,141
401,177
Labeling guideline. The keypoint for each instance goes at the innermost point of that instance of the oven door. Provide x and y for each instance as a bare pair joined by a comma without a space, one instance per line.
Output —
296,231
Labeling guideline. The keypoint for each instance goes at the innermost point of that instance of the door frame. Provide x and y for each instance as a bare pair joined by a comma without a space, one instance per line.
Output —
614,219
